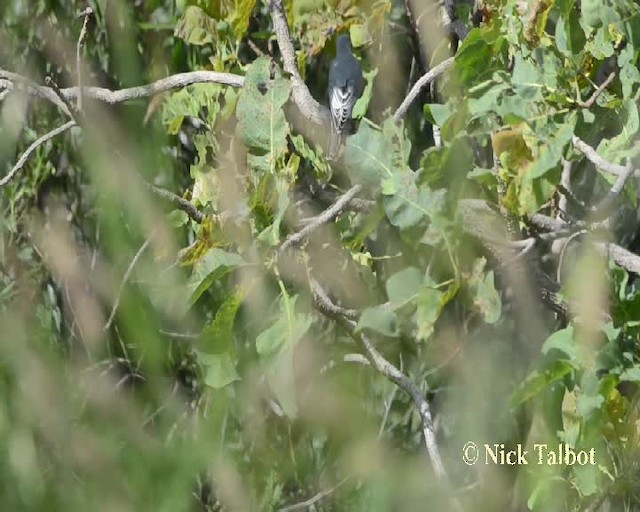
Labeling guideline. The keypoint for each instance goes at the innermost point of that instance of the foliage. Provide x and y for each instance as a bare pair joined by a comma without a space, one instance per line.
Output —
147,358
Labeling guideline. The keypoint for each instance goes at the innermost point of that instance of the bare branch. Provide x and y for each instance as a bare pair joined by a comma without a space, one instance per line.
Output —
388,370
86,14
598,161
589,103
317,290
307,104
624,258
314,499
35,89
325,217
565,182
424,80
25,156
181,203
113,97
606,205
5,88
51,83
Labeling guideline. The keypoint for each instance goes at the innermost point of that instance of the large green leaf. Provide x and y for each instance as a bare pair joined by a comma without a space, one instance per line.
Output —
379,320
369,156
361,106
275,346
430,303
241,16
261,120
191,101
216,349
485,296
196,27
215,264
403,287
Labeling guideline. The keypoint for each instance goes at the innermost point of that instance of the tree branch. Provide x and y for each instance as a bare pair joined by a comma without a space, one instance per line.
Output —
113,97
424,80
388,370
86,14
598,161
307,104
181,203
39,142
589,103
325,217
624,258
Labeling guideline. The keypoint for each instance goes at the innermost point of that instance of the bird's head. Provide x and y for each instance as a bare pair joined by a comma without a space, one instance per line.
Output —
344,44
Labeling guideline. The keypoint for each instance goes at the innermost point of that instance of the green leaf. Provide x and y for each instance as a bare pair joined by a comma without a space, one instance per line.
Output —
380,320
361,106
286,331
437,114
220,369
216,349
475,59
360,34
539,380
562,342
275,346
587,479
631,374
215,264
217,336
368,156
261,120
191,101
241,16
196,27
485,296
177,218
271,234
526,78
430,304
403,287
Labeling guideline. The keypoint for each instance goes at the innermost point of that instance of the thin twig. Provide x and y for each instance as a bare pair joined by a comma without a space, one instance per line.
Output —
314,499
51,83
424,80
589,103
39,142
255,48
387,407
325,217
356,358
181,203
86,14
125,278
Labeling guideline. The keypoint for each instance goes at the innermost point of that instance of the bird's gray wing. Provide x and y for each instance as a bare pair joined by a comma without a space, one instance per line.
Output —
342,102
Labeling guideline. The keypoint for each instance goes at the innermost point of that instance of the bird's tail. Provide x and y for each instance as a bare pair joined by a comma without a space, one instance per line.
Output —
334,145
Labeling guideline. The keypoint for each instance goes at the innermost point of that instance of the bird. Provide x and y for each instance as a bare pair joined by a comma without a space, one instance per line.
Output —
346,85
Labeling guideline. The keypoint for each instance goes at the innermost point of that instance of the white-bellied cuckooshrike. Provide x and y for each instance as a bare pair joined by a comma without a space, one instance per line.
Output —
346,85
